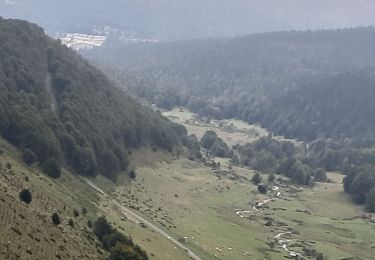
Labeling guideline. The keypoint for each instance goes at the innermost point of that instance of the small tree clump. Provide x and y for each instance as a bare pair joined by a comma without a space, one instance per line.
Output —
75,213
132,174
26,196
256,179
71,223
263,188
119,245
102,227
271,178
28,156
321,175
89,223
56,219
52,168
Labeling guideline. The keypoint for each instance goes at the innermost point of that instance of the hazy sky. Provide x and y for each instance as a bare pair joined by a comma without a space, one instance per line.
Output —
193,18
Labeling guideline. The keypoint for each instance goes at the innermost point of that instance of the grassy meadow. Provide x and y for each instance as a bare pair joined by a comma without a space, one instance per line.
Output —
193,202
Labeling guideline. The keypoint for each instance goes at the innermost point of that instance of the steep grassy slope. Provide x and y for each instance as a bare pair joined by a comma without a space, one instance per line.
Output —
294,83
27,231
56,105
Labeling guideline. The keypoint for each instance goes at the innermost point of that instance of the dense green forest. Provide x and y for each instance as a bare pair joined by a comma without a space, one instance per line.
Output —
303,85
313,86
281,157
60,110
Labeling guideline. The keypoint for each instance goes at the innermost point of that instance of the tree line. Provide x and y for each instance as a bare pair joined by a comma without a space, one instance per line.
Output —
313,86
297,84
272,156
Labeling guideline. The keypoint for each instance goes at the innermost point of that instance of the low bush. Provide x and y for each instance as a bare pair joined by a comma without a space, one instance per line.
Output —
26,196
132,174
56,219
28,157
52,168
120,246
75,213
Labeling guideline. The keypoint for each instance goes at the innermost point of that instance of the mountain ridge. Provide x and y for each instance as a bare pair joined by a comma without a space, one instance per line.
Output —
171,19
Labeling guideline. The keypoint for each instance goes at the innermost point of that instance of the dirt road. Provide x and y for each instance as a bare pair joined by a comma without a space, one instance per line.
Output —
136,216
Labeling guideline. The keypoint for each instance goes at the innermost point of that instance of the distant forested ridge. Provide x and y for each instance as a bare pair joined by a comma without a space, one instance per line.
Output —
181,19
317,87
305,85
55,106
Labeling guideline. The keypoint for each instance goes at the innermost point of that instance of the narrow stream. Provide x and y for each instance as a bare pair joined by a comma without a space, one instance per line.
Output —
281,238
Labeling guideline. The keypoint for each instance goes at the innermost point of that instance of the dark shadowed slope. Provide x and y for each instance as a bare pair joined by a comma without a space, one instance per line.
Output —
94,124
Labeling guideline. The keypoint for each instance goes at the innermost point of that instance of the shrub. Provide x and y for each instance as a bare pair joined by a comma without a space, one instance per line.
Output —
28,157
263,188
256,179
271,178
192,143
214,144
125,253
132,174
320,175
71,223
208,139
56,219
110,240
102,227
84,211
89,223
120,246
26,196
75,213
52,168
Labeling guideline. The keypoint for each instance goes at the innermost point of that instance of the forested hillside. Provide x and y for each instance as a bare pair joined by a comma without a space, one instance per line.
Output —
59,109
306,85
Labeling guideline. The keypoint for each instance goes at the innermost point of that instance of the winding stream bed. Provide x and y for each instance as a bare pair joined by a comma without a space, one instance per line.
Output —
282,240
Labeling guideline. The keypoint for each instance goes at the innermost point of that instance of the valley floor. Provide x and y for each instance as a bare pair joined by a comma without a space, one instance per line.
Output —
214,212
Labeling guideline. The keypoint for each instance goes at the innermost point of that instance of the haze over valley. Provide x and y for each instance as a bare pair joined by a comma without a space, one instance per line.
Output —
168,129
